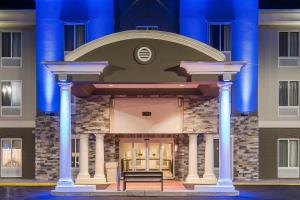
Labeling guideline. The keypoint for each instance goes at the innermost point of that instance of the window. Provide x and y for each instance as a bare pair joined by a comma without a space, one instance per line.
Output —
75,153
11,49
75,36
146,27
220,36
11,157
11,98
288,44
288,93
288,154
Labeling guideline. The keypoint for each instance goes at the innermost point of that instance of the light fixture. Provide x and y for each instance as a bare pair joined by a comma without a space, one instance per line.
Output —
110,85
181,85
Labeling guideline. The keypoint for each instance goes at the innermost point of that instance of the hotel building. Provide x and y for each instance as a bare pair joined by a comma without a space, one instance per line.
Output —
205,91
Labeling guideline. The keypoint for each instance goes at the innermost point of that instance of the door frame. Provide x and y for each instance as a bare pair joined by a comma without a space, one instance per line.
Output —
150,140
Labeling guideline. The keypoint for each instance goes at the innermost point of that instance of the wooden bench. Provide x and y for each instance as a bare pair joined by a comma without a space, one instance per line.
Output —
141,177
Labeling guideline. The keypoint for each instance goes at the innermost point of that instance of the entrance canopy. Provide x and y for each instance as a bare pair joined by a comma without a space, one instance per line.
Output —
145,62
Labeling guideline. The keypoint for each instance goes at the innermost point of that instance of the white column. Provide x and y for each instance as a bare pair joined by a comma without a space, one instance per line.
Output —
224,185
65,178
225,141
83,176
209,174
99,165
192,176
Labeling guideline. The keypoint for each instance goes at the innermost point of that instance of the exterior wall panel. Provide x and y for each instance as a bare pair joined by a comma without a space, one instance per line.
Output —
26,74
28,155
268,149
270,73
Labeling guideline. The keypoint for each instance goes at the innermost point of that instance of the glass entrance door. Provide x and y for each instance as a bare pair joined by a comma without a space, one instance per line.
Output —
147,155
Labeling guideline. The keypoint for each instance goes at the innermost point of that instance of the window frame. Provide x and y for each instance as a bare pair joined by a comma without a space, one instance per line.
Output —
21,101
220,34
289,33
74,34
11,46
147,28
278,95
287,57
11,139
295,168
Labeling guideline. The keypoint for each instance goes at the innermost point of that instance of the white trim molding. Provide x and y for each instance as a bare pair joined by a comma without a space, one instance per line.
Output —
17,124
279,124
212,67
287,17
17,18
76,67
145,34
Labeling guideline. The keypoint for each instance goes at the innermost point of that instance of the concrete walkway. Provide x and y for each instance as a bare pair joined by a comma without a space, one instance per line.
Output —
168,184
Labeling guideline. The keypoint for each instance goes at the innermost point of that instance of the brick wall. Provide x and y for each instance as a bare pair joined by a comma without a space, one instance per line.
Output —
199,116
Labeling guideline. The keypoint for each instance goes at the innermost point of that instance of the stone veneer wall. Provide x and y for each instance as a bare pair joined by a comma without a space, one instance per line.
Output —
200,116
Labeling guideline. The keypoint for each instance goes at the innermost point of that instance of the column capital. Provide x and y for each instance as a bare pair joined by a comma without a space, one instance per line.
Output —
83,135
193,134
224,85
64,85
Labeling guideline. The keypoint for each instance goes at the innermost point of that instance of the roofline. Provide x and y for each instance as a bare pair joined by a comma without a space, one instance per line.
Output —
141,34
17,18
279,17
280,10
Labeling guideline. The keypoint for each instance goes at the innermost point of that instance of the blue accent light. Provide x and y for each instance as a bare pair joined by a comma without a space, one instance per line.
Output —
245,48
49,47
101,18
193,22
50,18
195,16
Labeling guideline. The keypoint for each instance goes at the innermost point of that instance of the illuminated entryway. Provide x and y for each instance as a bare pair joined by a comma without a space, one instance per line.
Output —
147,155
194,63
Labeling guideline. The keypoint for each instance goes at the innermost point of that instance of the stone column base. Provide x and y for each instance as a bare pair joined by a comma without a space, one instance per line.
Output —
74,188
99,180
228,190
208,181
192,179
90,181
83,180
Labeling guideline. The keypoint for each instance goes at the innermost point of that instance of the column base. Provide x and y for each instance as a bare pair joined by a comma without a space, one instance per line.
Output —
74,188
99,179
208,181
65,182
190,179
84,181
228,190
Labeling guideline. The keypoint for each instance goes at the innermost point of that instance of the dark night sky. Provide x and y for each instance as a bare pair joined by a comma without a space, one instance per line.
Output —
272,4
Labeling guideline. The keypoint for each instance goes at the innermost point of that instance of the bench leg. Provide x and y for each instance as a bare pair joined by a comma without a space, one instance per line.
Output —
124,185
162,185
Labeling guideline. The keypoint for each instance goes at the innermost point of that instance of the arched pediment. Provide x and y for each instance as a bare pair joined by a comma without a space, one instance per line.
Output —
162,52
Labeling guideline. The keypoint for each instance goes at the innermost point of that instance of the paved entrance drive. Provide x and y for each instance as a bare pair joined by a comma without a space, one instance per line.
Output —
246,193
168,185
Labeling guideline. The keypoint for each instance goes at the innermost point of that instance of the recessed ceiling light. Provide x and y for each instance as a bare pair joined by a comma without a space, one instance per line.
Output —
181,85
110,85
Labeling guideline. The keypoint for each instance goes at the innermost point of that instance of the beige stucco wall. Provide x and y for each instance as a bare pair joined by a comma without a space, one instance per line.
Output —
26,74
166,115
270,74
